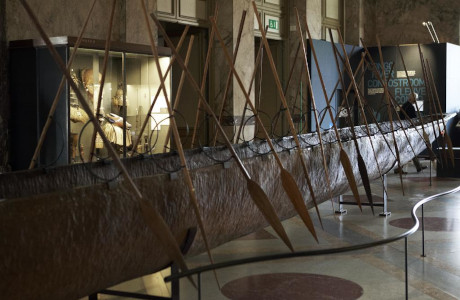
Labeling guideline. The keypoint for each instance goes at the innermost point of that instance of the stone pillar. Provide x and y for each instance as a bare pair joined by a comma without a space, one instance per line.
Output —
4,99
229,18
354,22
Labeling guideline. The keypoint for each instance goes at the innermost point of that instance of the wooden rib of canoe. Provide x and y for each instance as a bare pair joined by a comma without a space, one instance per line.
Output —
65,232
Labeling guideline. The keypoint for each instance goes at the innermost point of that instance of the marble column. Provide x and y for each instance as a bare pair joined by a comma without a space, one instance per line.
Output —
229,18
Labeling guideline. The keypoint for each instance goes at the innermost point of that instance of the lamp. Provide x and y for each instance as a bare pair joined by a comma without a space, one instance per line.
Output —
431,30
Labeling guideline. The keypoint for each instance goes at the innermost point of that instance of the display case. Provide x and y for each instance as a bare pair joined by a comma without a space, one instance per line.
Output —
129,88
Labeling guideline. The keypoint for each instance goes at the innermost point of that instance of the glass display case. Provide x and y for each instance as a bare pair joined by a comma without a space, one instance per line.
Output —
129,88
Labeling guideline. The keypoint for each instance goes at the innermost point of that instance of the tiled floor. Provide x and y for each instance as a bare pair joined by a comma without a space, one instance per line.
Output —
376,273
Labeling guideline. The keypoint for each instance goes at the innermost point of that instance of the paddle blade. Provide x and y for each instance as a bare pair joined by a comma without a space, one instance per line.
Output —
349,173
365,179
450,149
294,194
162,232
261,200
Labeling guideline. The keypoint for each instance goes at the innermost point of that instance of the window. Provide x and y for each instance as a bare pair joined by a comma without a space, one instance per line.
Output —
332,17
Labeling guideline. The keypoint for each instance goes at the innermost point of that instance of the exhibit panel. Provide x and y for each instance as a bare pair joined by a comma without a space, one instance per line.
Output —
129,87
395,74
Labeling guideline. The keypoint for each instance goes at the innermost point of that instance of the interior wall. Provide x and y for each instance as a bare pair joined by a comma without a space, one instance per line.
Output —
400,22
452,78
64,18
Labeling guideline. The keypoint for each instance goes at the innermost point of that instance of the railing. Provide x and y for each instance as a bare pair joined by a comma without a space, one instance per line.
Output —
262,258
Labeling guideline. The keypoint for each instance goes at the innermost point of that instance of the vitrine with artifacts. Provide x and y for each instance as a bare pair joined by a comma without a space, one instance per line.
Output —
120,100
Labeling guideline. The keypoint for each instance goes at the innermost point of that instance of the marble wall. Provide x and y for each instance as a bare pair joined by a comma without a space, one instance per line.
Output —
64,18
400,22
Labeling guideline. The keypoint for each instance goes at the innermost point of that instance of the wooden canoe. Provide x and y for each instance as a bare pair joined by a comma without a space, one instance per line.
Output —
68,231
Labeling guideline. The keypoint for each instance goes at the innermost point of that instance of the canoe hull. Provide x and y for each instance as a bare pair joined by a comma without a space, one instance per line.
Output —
86,235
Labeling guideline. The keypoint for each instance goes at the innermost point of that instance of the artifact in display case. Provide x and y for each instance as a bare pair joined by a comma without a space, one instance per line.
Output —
120,100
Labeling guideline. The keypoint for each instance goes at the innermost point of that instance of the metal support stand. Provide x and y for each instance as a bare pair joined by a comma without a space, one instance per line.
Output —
423,234
199,285
175,288
385,212
405,268
341,210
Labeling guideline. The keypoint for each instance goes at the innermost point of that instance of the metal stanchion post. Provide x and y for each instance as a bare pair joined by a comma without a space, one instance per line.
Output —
385,211
405,267
175,284
430,173
423,233
199,286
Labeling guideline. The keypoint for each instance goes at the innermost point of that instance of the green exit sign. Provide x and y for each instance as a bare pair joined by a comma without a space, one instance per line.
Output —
273,24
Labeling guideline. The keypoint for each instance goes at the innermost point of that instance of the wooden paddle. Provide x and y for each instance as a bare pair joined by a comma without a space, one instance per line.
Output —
390,116
359,98
291,72
256,65
101,88
434,118
288,113
394,104
313,104
203,79
257,194
334,90
180,150
288,182
361,164
179,92
425,135
147,119
49,119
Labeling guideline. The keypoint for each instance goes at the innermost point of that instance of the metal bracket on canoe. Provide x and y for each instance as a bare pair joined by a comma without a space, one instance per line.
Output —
112,184
173,175
226,164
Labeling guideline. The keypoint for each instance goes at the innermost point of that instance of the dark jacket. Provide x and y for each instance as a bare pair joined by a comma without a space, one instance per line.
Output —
409,109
